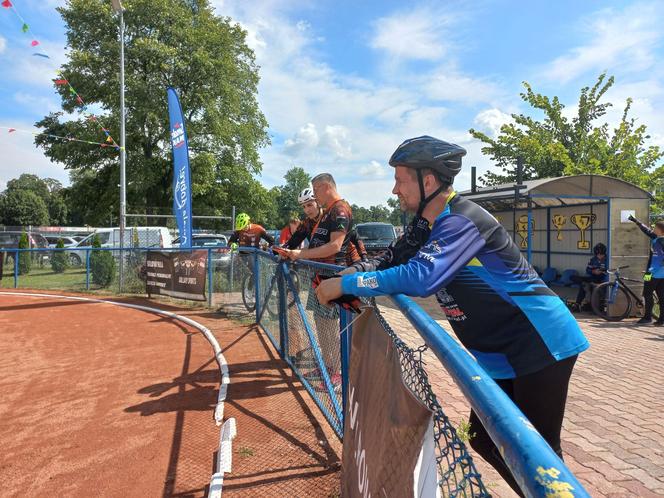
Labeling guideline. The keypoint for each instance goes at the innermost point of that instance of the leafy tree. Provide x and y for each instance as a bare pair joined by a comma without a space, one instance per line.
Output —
59,261
23,208
24,258
31,183
57,209
286,195
102,265
396,215
378,213
48,190
168,43
557,145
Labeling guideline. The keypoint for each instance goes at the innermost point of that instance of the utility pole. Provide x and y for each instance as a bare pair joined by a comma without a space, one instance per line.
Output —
117,7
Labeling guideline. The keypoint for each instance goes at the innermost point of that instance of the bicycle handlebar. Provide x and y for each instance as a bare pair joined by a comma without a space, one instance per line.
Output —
617,269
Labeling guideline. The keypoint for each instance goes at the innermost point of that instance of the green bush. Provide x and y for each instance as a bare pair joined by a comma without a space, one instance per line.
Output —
102,265
25,258
59,261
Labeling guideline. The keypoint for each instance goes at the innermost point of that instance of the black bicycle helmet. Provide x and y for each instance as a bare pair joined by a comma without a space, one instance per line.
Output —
428,152
599,248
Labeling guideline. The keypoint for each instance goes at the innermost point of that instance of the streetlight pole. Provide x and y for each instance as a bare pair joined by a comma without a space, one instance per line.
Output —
117,7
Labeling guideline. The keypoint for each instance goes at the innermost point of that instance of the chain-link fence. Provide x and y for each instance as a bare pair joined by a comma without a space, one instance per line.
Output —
255,287
309,336
457,473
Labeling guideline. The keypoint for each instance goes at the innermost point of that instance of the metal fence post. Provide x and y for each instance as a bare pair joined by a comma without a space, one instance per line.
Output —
16,269
282,268
345,340
87,268
210,286
257,286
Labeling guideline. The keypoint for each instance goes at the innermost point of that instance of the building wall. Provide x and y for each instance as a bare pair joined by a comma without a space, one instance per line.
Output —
629,246
557,240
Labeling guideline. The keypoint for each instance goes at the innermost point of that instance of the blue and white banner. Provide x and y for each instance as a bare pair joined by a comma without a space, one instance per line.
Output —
181,173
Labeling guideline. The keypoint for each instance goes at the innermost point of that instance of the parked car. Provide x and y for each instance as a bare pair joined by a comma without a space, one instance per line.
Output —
377,237
220,254
110,237
10,240
53,240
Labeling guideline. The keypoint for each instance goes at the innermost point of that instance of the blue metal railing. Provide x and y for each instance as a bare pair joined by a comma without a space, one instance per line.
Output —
536,467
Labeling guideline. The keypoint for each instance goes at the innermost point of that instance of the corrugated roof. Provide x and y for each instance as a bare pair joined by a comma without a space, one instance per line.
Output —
560,191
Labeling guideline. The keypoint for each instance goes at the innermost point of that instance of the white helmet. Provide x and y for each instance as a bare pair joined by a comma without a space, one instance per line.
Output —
306,195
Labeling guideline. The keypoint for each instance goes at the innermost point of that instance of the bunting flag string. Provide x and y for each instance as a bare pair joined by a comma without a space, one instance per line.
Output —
61,80
59,137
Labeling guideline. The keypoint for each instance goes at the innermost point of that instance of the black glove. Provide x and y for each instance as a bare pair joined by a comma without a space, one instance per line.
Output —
347,301
631,218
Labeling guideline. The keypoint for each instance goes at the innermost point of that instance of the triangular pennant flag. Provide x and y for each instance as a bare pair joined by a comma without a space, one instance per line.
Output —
103,145
34,43
41,55
72,91
6,4
12,130
60,82
79,99
25,28
91,117
109,140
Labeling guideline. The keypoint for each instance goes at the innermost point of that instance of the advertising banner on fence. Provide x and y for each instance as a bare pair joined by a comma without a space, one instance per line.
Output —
388,432
181,173
177,274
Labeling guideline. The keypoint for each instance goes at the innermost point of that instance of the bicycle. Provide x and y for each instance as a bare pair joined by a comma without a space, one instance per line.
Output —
249,292
613,300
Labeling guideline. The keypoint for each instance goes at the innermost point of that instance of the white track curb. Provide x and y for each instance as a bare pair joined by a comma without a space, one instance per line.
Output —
228,430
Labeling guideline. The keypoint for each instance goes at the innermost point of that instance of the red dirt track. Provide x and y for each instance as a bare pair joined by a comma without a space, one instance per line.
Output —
99,400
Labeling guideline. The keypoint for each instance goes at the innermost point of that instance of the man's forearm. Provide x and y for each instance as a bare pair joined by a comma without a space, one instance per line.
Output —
324,251
644,228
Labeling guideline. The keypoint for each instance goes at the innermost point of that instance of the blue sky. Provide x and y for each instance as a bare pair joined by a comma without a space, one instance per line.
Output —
343,83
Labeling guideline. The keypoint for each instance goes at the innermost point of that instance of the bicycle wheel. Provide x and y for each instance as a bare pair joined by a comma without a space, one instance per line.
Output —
273,299
610,302
249,293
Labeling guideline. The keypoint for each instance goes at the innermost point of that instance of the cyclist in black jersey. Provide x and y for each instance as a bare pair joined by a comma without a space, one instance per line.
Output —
519,330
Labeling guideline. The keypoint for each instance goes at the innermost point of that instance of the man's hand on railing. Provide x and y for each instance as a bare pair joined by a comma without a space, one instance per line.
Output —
328,291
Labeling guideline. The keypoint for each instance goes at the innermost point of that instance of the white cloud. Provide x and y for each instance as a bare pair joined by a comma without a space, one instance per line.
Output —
336,139
618,39
491,120
38,104
305,139
449,84
20,155
418,34
373,169
327,121
3,44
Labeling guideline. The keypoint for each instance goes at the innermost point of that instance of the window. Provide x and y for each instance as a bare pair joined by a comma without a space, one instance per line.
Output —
375,232
103,237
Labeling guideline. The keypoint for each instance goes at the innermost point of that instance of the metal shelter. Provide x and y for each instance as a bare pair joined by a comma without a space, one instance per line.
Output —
557,221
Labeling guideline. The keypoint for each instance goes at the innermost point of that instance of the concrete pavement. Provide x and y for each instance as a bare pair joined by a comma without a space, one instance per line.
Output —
613,435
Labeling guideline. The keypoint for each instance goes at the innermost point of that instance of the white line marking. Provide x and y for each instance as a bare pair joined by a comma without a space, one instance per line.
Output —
228,430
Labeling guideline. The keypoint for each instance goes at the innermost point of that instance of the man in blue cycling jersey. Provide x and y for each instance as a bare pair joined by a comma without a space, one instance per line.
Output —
519,330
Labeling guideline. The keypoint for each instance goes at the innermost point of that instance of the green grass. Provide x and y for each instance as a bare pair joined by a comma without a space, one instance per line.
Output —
463,431
245,451
73,279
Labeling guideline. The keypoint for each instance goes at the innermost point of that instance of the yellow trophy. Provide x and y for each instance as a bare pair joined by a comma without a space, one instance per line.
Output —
559,222
522,230
583,222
